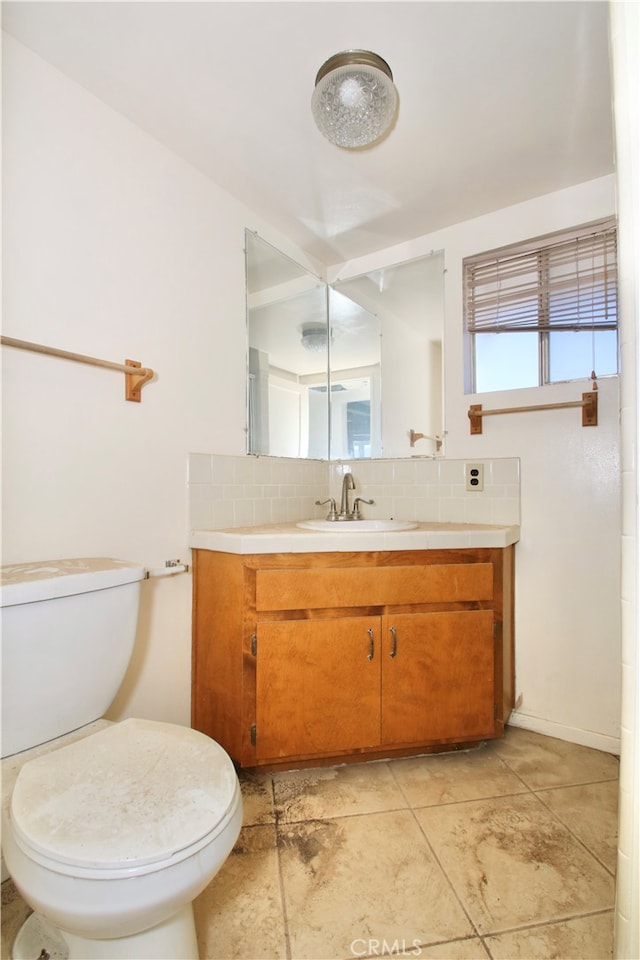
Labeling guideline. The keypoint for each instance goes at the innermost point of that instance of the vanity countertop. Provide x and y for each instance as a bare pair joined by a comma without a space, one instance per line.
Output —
289,538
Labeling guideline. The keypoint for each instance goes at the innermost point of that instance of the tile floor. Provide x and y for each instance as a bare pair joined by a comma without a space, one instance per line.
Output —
504,852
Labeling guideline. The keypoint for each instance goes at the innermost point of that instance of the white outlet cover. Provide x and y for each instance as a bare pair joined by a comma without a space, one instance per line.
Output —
474,476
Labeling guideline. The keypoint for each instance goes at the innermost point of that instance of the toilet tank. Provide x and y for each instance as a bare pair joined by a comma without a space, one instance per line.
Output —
68,630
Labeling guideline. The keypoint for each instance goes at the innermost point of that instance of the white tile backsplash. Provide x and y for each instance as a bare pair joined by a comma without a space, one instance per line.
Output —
226,491
435,490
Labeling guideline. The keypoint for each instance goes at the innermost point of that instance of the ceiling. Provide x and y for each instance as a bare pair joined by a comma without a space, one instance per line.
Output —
500,102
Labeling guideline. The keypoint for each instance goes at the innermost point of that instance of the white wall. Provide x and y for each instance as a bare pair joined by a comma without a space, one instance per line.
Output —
568,580
116,248
567,563
625,43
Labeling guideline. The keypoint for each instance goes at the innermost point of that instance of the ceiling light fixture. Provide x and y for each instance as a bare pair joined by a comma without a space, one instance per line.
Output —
354,101
313,336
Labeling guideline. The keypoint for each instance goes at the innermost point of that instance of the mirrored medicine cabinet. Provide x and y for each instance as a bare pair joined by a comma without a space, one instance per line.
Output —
343,371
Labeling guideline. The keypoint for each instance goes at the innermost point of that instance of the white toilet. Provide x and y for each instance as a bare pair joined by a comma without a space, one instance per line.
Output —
109,830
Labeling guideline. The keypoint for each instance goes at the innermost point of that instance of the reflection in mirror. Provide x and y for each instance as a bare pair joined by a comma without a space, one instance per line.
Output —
288,355
354,379
317,355
407,300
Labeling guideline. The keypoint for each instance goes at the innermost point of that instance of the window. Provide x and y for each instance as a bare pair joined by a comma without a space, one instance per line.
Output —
543,311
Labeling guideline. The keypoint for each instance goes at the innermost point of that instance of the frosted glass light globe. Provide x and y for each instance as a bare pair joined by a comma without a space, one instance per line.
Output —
355,100
352,92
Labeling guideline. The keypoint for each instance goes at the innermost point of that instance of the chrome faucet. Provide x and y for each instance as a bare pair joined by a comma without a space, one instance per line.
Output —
345,510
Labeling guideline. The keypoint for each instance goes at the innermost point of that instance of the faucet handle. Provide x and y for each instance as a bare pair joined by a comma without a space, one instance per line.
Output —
357,515
333,512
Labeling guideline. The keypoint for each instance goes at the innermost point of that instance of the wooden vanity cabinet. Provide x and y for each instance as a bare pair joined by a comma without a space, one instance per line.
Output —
314,657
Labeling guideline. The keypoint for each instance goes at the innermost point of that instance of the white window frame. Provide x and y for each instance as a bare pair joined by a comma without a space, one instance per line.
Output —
510,289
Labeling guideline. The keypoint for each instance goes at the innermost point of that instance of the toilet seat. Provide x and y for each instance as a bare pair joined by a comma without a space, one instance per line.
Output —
128,800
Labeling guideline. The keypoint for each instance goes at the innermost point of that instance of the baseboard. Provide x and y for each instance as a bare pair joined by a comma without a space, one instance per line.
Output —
586,738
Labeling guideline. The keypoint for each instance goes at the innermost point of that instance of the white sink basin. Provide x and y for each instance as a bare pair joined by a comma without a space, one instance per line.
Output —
357,526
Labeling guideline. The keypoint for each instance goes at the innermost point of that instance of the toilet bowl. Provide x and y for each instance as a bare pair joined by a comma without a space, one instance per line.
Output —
109,830
114,835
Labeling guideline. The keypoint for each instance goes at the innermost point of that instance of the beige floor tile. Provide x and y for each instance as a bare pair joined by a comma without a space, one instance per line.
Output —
471,949
513,863
584,938
240,913
14,912
257,798
350,880
335,792
590,811
453,777
359,876
547,762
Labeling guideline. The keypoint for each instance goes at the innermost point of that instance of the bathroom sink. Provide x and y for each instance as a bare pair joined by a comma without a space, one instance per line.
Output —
357,526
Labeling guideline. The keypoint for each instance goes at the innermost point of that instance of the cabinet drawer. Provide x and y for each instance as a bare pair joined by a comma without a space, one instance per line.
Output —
372,586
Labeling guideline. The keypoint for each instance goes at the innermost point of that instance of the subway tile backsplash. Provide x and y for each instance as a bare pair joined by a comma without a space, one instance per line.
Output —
227,491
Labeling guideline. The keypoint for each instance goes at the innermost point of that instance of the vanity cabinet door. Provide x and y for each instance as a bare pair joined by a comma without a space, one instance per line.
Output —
437,676
317,686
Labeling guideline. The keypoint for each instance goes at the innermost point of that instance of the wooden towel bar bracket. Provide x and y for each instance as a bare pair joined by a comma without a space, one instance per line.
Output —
589,404
135,375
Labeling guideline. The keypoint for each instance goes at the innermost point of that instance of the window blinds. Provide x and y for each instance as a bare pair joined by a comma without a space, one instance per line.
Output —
565,281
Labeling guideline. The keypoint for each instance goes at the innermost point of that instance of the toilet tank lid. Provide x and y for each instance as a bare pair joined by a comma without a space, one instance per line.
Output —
50,579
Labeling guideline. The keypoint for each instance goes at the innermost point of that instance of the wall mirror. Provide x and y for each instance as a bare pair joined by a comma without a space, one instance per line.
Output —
288,364
343,371
407,300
